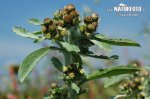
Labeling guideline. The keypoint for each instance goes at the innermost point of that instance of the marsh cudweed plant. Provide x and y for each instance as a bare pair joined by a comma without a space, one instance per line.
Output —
73,36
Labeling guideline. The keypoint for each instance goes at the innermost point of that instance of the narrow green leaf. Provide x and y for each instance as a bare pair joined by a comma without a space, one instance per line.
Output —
113,57
30,62
70,47
102,45
112,72
35,21
75,87
112,41
56,62
23,32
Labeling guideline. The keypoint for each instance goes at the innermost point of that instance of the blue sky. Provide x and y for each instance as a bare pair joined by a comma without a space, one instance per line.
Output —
14,48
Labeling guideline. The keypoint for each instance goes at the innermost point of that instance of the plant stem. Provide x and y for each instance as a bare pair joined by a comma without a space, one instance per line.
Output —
68,60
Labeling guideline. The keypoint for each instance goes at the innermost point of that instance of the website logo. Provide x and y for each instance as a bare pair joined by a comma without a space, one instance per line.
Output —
126,10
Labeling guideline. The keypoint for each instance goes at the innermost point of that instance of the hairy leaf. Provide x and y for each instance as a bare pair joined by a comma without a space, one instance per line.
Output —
102,45
113,57
30,62
112,72
70,47
23,32
112,41
56,62
35,21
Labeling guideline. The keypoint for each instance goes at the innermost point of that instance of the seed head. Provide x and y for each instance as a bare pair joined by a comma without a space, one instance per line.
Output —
68,18
95,17
125,86
63,33
146,73
135,65
71,75
136,80
74,14
90,27
95,24
133,85
53,85
142,79
60,23
81,71
63,12
69,7
48,36
88,19
140,87
48,21
142,95
52,27
44,29
65,69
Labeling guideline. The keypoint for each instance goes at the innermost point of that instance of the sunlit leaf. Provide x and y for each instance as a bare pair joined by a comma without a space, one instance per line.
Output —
30,62
70,47
35,21
112,72
23,32
102,45
112,41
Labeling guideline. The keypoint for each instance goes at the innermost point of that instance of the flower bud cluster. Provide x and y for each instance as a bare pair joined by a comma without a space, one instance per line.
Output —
53,90
137,83
66,17
73,72
134,86
51,29
57,91
91,24
70,15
